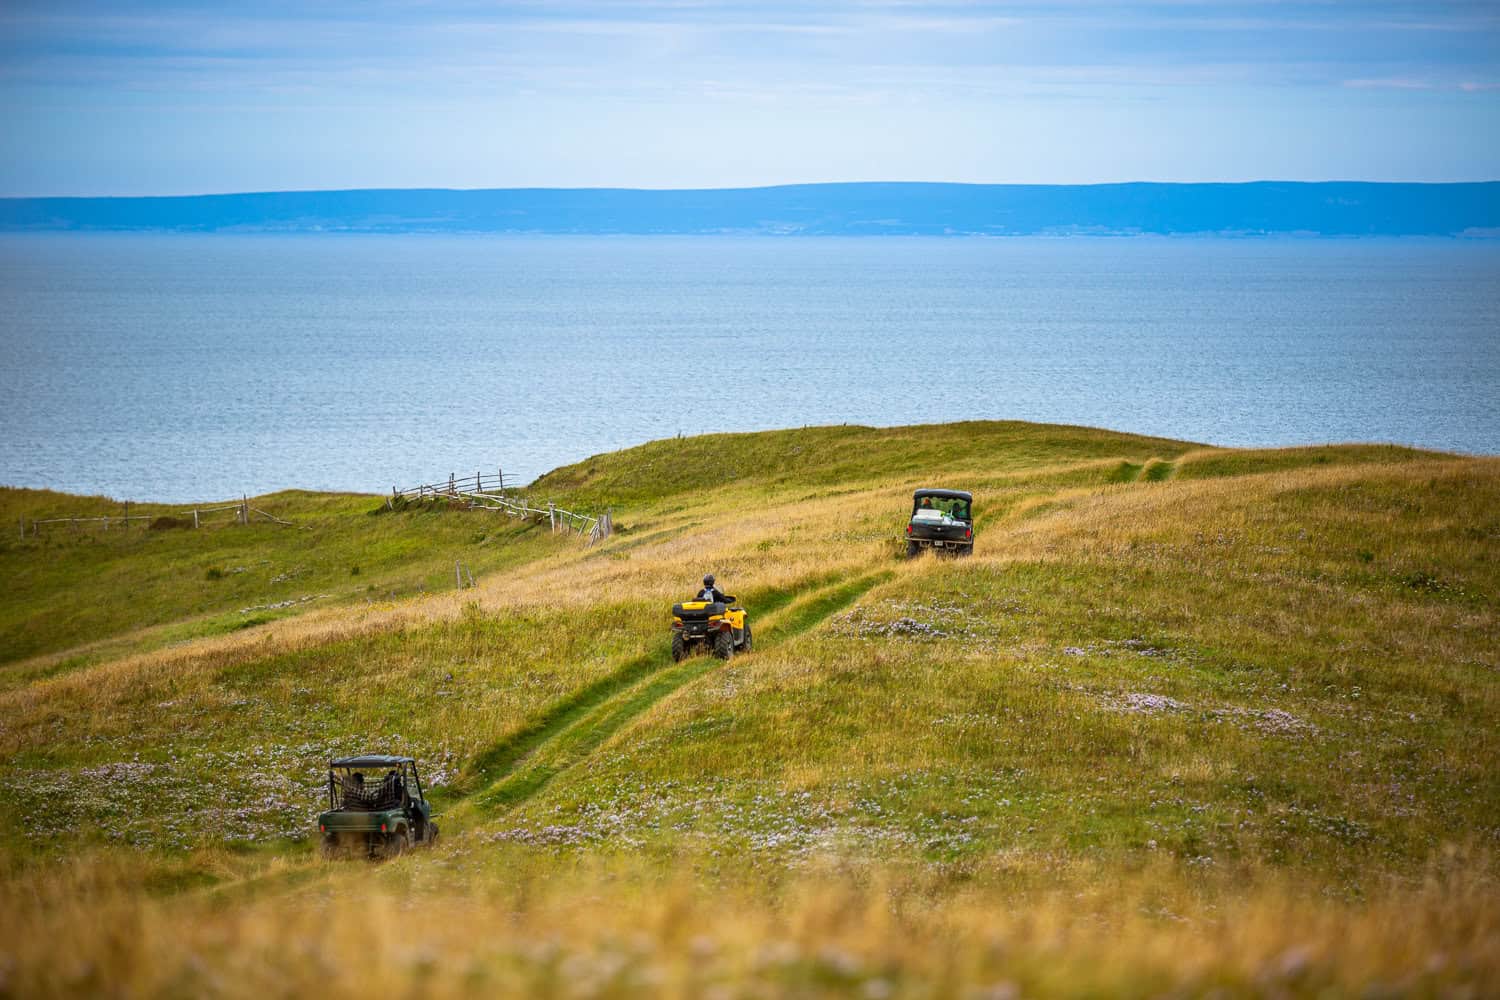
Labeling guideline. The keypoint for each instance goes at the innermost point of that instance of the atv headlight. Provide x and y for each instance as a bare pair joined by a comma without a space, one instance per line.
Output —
676,622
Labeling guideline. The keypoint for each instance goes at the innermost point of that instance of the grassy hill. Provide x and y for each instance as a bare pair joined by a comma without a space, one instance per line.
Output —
1189,719
83,592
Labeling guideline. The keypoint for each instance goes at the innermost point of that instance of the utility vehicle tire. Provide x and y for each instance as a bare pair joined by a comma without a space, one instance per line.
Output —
395,844
966,551
679,647
749,642
913,550
329,848
724,645
432,833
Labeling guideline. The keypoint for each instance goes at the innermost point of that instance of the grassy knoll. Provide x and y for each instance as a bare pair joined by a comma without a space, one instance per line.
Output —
116,590
1189,719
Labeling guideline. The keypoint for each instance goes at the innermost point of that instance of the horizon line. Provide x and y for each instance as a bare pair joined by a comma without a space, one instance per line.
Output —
750,187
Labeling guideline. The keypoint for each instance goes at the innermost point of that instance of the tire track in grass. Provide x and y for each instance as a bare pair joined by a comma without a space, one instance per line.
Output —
261,884
532,764
587,734
504,756
517,768
1158,471
1152,470
809,612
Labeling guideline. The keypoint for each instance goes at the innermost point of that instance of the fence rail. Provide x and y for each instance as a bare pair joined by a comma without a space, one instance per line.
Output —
483,491
479,482
243,515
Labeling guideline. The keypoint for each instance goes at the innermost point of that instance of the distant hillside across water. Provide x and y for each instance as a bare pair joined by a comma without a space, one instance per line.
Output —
1261,208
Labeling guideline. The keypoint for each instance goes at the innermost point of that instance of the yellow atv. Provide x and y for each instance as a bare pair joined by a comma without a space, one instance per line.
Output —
719,625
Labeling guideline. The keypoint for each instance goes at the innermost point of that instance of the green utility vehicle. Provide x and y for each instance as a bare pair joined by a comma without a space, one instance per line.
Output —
376,807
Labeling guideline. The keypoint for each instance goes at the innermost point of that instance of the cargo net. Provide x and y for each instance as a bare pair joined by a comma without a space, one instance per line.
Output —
367,791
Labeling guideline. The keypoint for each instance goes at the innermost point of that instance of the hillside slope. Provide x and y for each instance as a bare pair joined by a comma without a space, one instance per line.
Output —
1189,718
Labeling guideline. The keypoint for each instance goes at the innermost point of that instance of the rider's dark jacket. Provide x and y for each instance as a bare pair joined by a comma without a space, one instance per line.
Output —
711,594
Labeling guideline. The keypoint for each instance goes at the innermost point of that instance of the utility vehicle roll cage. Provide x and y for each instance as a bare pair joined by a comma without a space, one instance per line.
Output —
956,504
350,787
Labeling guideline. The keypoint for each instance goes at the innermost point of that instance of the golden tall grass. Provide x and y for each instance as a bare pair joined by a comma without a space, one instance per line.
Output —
613,928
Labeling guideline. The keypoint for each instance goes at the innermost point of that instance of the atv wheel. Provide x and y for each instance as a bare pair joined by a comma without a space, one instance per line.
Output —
679,647
432,833
329,848
724,645
913,550
745,646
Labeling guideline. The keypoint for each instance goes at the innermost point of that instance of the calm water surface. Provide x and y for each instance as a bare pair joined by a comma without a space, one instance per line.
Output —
180,367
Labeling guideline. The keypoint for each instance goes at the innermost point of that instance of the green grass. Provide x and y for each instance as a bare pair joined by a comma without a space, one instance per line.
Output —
1171,679
146,589
578,725
835,457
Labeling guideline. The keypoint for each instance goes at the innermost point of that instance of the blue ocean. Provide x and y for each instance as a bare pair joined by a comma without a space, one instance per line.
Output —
193,367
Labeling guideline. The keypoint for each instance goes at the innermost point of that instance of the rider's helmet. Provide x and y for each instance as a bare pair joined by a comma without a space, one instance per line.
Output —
708,581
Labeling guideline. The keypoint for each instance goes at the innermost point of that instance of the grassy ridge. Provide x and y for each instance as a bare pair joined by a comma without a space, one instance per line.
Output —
1189,718
143,587
835,457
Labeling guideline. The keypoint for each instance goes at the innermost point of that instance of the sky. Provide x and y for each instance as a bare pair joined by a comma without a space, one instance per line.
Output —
129,98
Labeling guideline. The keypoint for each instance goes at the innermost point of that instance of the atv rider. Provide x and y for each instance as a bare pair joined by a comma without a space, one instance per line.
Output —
713,594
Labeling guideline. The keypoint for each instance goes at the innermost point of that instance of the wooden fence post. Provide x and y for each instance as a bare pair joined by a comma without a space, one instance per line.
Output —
195,517
552,516
458,575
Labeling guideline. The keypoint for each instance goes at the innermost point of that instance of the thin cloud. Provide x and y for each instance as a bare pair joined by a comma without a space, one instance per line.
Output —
1390,83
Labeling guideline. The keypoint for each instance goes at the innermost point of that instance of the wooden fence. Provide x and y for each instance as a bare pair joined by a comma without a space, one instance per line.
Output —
479,482
492,492
243,514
